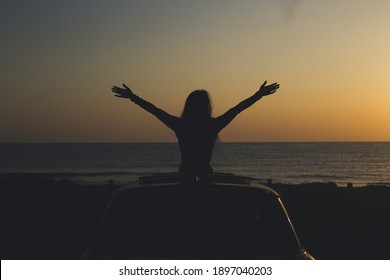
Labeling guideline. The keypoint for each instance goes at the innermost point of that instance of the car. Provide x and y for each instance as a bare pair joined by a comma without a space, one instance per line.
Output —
190,216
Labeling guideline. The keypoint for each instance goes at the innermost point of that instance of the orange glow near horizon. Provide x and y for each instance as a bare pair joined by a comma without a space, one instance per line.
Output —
330,58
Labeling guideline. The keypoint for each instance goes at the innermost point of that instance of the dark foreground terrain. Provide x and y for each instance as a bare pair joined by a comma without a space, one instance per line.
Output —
43,218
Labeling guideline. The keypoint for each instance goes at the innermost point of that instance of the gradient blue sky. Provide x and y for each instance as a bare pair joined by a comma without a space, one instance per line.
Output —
59,60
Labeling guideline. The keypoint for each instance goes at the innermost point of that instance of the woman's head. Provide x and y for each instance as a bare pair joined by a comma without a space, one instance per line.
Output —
198,106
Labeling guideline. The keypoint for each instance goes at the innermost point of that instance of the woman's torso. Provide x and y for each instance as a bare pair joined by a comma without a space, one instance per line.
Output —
196,142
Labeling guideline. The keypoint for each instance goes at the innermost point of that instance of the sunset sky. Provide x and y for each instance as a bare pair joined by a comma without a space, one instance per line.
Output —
59,60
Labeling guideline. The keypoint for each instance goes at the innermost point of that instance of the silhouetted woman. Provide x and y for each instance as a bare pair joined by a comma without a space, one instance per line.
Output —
196,129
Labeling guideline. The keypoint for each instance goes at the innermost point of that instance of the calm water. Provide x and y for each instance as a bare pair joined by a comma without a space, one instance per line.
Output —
359,163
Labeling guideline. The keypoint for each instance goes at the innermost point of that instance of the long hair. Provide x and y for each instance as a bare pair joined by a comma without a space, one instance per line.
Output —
198,107
198,110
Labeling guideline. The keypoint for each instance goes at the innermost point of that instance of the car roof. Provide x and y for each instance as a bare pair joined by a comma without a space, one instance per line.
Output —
205,209
219,181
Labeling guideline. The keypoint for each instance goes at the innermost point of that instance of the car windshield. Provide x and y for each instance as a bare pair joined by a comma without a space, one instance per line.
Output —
201,224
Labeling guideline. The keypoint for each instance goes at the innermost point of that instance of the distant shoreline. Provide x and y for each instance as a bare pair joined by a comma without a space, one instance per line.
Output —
110,177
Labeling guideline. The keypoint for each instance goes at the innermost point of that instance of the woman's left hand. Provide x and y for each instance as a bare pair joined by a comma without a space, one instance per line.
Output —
122,92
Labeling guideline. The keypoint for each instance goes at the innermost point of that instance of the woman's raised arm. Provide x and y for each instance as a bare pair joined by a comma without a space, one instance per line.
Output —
167,119
226,118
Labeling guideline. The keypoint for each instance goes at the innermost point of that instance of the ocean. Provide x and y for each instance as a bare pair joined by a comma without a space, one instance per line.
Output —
289,163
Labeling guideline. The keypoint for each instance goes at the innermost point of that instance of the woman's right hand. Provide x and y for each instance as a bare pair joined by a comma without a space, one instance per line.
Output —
122,92
267,90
